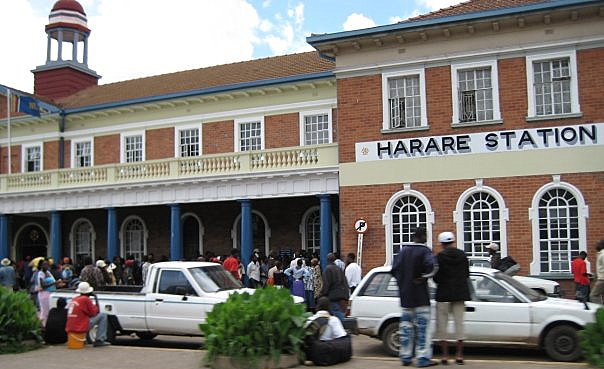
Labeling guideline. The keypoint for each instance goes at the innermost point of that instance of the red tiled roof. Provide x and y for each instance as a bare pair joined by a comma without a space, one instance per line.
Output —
197,79
473,6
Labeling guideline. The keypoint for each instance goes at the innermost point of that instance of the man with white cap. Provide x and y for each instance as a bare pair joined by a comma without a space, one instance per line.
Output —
493,249
83,314
8,277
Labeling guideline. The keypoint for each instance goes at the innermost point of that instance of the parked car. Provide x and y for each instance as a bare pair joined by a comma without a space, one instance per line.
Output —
543,286
503,312
175,299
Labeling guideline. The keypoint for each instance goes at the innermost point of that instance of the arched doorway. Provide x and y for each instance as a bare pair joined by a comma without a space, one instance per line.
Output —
260,231
192,236
32,241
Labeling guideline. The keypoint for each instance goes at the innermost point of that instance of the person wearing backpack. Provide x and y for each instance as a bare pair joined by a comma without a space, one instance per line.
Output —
328,343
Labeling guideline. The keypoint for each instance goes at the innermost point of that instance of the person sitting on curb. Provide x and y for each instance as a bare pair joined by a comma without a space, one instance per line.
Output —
83,314
328,343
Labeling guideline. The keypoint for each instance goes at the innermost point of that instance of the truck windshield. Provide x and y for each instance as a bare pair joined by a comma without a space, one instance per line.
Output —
214,278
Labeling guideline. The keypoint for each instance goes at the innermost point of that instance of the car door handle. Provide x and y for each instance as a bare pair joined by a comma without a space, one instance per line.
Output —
470,308
159,300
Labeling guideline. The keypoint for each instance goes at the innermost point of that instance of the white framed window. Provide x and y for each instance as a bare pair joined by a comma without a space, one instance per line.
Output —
249,134
404,99
552,85
134,237
82,153
315,127
558,216
406,211
480,217
132,148
475,93
82,238
32,158
188,141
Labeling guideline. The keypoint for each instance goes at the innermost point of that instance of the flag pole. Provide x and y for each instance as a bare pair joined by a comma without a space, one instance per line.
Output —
8,107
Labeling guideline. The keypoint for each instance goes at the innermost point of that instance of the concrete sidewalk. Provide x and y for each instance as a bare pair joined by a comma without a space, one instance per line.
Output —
128,357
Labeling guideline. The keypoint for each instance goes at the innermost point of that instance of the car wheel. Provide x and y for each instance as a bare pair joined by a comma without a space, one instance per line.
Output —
146,335
390,338
562,343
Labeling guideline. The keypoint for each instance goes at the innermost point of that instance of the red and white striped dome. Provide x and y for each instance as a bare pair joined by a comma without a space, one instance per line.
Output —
69,14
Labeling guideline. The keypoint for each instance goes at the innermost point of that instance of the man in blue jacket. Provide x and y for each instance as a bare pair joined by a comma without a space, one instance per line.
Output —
412,267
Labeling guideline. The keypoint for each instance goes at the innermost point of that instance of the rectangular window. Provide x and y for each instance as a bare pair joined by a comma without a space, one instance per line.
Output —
188,142
475,95
133,148
404,102
552,86
33,159
475,92
315,127
250,136
82,154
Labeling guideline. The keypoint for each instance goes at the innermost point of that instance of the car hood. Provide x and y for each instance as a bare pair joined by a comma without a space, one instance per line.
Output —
567,304
530,281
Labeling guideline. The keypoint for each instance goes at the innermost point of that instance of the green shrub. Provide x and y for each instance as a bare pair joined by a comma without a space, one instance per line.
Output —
248,327
19,323
592,340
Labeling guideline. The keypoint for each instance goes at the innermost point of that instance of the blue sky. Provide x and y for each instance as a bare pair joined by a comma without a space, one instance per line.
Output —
139,38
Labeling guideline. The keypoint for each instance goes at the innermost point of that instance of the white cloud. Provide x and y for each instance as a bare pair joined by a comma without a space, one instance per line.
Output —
439,4
357,21
287,35
395,19
266,26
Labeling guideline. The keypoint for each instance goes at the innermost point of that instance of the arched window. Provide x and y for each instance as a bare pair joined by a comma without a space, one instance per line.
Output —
481,219
558,218
82,241
406,210
134,237
261,232
310,230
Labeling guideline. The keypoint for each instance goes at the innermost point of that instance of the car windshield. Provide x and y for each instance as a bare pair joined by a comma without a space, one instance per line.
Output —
528,292
214,278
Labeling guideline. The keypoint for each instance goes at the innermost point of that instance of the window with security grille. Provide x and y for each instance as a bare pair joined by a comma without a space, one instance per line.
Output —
33,160
133,147
82,239
481,223
404,102
558,230
134,239
552,86
313,232
83,154
316,129
475,95
408,213
250,136
189,142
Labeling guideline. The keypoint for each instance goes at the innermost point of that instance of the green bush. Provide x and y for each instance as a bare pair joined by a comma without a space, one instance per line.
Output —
19,323
248,327
592,340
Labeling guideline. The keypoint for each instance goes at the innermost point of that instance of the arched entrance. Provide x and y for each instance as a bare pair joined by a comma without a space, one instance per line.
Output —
192,236
260,231
32,241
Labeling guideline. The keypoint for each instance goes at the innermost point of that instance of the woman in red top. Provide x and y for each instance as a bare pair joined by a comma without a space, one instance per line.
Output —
83,314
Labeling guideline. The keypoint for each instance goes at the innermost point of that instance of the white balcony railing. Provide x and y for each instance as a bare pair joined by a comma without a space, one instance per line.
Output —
239,163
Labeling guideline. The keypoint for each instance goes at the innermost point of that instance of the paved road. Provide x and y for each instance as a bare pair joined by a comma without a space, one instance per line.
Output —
167,352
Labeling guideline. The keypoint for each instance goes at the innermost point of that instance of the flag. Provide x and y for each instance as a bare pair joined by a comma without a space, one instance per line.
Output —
28,105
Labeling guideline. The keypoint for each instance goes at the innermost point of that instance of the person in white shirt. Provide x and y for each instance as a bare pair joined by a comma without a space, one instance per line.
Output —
339,262
352,272
253,272
597,294
328,343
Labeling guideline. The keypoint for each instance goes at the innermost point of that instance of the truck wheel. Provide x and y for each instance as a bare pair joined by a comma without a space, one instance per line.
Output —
390,338
146,335
562,343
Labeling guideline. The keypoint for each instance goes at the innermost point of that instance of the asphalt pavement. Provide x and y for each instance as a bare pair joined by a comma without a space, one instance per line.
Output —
129,357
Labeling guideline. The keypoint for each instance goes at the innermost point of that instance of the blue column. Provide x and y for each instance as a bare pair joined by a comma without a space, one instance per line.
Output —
4,241
55,236
247,239
175,234
326,233
112,234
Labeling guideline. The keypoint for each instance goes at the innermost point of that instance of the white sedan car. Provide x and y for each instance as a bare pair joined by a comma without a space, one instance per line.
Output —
503,312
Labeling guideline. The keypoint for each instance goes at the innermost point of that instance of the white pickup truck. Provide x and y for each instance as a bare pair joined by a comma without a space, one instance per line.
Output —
174,301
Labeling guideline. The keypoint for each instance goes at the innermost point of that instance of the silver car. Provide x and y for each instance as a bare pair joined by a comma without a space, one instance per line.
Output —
503,312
